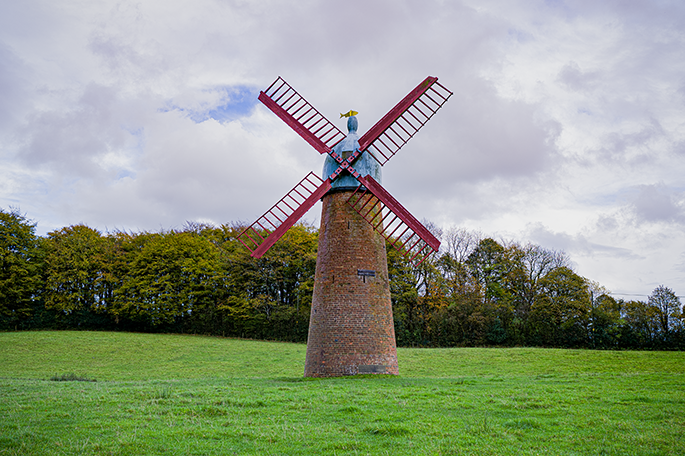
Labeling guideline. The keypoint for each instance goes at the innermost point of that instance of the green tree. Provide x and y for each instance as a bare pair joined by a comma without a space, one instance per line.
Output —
171,276
641,328
500,273
404,294
559,316
286,284
462,317
605,321
668,305
417,293
486,265
538,262
73,271
463,320
270,297
20,263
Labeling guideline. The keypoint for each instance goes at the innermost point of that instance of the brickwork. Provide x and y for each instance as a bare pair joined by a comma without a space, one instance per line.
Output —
351,329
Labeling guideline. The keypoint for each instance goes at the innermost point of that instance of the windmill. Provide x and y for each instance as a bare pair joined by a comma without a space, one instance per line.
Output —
351,327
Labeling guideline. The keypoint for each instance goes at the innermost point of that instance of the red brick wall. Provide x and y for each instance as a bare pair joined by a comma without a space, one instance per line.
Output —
351,328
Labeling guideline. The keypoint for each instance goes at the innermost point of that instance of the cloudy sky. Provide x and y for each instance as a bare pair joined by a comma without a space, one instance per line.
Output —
566,127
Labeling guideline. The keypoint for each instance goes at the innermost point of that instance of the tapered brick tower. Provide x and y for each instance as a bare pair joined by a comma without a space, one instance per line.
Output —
351,327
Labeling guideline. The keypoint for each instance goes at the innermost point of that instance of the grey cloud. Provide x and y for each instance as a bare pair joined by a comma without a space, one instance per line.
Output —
12,88
479,138
576,244
635,12
679,148
680,266
72,140
633,148
575,79
658,203
623,75
121,57
608,223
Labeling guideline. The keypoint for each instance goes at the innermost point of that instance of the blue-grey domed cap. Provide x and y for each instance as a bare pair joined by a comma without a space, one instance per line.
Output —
365,164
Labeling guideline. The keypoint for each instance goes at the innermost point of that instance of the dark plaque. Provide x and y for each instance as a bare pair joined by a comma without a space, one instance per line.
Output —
364,273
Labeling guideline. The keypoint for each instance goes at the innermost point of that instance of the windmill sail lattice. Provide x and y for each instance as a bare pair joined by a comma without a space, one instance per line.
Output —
269,228
392,221
402,122
302,117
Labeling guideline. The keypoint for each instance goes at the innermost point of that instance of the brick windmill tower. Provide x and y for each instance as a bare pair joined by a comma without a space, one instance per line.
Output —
351,327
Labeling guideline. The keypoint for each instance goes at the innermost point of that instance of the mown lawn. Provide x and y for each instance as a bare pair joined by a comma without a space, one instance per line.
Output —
172,394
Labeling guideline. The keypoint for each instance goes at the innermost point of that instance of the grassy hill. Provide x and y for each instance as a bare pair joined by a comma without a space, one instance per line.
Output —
175,394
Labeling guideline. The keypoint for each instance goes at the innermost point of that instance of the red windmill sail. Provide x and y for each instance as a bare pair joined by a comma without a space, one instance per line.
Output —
402,122
270,227
302,117
392,221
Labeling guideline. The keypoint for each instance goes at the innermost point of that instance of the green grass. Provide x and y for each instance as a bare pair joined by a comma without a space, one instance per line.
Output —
171,394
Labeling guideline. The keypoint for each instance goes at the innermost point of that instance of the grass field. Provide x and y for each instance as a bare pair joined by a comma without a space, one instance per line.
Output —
183,395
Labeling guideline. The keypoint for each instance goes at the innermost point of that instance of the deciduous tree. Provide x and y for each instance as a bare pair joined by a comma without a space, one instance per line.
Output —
20,261
173,275
73,272
560,314
668,305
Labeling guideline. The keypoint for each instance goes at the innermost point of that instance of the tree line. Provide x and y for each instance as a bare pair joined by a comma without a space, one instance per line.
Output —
200,279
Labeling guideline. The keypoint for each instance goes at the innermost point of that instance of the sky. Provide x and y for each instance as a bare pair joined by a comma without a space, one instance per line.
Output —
566,128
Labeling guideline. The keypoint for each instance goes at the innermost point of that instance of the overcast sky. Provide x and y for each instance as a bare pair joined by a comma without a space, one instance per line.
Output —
566,127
